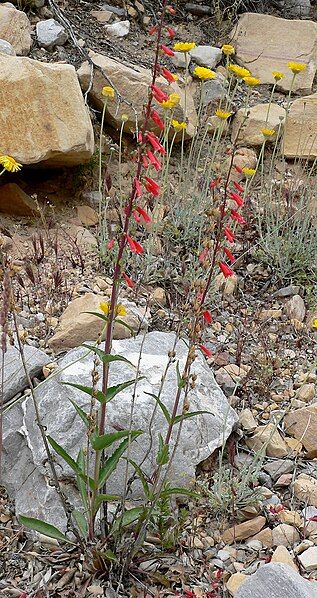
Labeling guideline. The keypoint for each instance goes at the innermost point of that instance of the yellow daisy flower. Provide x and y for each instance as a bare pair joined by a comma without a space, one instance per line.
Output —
248,171
105,308
239,71
178,126
202,73
124,117
108,92
10,164
267,132
314,324
184,46
277,75
227,49
251,81
222,114
121,310
297,67
172,102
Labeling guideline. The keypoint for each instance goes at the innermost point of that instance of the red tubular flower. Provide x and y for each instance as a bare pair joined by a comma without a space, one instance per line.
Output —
157,119
238,169
171,32
229,234
239,201
111,244
237,217
134,245
153,29
157,146
136,216
168,75
238,187
213,184
145,161
226,271
203,255
128,281
159,94
229,255
207,316
167,50
152,187
171,10
205,351
146,217
154,161
140,137
137,187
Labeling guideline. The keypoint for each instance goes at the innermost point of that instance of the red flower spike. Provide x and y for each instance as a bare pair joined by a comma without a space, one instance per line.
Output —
205,351
154,161
111,244
134,245
238,187
229,255
207,316
152,187
229,234
140,137
171,10
226,271
145,161
146,217
136,217
137,187
171,33
239,201
157,146
237,217
238,169
157,120
159,95
153,29
168,75
167,50
128,281
203,255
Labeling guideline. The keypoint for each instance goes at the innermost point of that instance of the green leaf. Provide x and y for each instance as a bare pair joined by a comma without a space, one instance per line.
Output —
163,452
105,319
81,523
183,416
81,483
183,491
81,413
104,498
109,555
161,404
44,528
180,381
112,391
105,357
112,463
62,453
96,313
133,332
127,518
99,443
142,478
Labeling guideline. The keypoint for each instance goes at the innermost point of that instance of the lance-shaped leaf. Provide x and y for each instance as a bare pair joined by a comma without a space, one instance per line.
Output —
81,523
106,357
163,452
105,319
112,391
81,413
127,518
183,416
104,498
142,477
162,406
181,383
70,461
112,462
99,443
44,528
81,483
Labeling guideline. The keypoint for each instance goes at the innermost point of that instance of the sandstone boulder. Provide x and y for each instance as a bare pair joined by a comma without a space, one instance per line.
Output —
132,83
305,489
243,530
265,43
300,129
302,424
13,200
268,439
43,117
277,580
15,28
246,128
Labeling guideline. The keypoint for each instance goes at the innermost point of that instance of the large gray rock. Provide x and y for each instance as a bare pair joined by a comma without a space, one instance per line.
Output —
6,48
277,581
15,379
50,33
23,451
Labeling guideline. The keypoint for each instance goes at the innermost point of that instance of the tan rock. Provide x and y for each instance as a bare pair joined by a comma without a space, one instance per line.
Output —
16,202
265,43
234,582
246,127
103,16
295,447
159,296
247,420
244,530
269,438
306,393
300,129
296,309
305,489
267,314
290,517
308,559
76,326
133,85
87,215
15,28
285,535
302,424
244,157
53,125
281,555
265,536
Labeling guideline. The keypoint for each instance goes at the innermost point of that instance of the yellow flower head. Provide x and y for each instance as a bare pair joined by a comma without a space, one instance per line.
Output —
222,114
202,73
227,49
172,102
124,118
267,132
251,81
178,126
248,171
314,324
239,71
184,46
10,164
277,75
121,310
108,92
297,67
105,307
